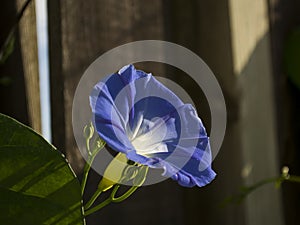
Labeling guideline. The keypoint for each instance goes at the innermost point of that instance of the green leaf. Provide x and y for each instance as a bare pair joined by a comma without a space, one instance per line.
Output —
37,185
292,56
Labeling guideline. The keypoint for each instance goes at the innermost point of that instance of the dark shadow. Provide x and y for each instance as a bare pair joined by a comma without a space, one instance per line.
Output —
284,15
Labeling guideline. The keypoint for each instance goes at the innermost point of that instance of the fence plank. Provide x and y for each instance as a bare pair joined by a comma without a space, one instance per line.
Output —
209,35
79,32
252,65
284,15
27,30
20,92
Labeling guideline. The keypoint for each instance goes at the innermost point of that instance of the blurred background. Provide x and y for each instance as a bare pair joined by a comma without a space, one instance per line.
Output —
253,48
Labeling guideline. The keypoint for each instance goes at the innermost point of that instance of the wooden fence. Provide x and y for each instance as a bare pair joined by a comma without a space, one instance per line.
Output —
235,39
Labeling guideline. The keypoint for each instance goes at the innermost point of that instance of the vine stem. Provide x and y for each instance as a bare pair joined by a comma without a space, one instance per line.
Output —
93,199
138,180
293,178
98,207
86,170
285,177
124,196
87,166
111,199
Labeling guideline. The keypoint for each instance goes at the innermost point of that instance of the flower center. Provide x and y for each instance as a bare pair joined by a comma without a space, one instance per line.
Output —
148,136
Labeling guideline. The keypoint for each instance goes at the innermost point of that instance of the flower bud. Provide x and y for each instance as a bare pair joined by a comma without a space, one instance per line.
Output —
88,131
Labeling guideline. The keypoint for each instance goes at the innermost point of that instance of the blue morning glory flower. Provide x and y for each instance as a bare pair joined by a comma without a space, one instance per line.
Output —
138,116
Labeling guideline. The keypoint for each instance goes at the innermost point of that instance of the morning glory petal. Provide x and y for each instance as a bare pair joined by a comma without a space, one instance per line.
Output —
137,115
108,121
189,158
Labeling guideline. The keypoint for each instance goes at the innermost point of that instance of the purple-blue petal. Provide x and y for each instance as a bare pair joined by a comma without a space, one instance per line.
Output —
117,103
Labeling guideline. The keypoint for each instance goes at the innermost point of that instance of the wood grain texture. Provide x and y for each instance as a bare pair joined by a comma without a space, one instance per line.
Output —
28,41
80,31
20,95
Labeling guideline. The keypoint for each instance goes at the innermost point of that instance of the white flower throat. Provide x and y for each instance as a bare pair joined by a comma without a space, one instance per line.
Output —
147,136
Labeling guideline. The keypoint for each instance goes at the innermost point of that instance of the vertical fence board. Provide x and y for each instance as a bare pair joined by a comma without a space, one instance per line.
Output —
249,22
12,70
79,32
214,46
20,93
209,35
27,30
285,18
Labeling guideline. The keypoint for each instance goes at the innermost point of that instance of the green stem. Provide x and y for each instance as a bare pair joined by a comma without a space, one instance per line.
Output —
124,196
88,164
266,181
138,180
278,180
109,200
93,199
98,207
247,190
87,144
86,170
293,178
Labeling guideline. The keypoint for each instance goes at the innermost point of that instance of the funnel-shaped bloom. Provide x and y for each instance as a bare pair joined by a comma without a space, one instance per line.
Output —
137,115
